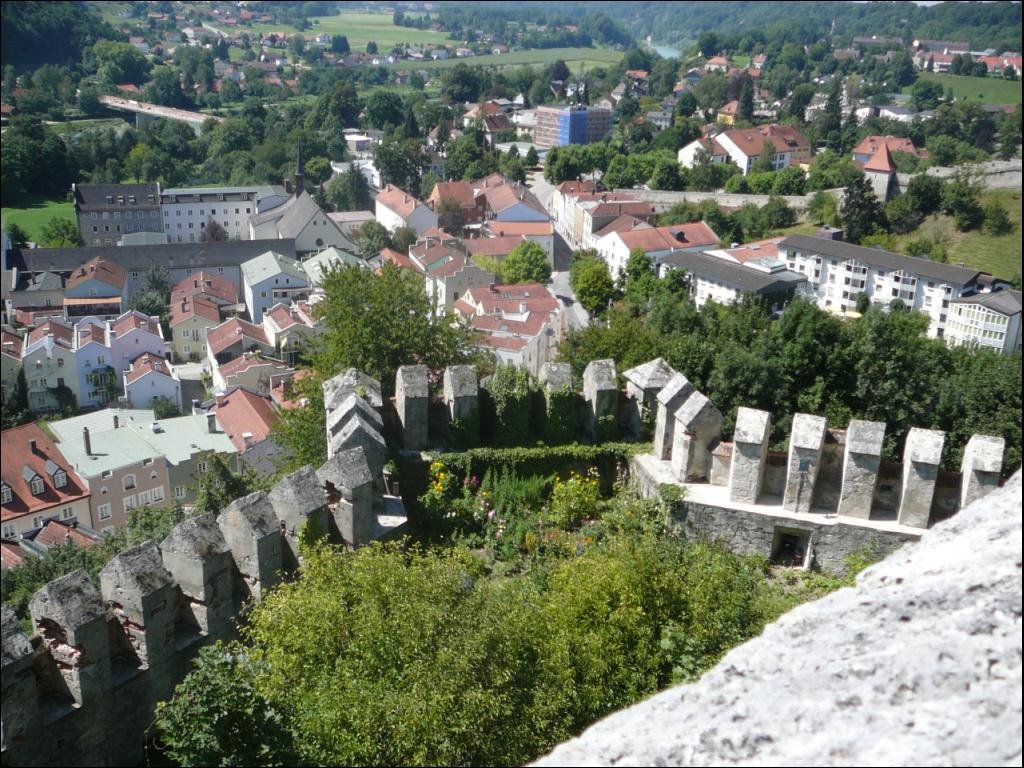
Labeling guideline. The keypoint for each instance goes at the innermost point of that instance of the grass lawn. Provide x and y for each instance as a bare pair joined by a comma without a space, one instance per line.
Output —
574,57
740,61
360,28
987,90
31,218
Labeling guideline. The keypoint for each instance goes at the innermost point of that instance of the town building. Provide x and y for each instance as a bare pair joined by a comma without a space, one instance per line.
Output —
106,211
395,208
37,482
472,209
233,337
657,242
48,359
97,287
149,378
870,145
838,272
250,370
191,318
291,327
11,345
989,320
246,418
745,145
726,282
270,278
185,212
559,126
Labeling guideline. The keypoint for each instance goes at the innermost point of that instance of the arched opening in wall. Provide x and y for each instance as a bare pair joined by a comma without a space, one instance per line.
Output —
791,547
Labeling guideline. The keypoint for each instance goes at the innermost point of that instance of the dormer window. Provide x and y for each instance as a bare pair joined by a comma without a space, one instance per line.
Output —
60,479
5,493
37,486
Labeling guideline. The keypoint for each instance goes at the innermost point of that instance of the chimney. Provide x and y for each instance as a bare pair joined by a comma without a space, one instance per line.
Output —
247,439
211,423
87,441
195,406
32,446
116,424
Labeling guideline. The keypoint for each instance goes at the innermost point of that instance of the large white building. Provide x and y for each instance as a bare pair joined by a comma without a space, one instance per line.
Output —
269,279
745,145
186,212
989,320
838,272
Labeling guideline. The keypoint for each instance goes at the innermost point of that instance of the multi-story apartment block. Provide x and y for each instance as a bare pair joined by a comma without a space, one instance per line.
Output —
838,272
48,358
558,126
186,212
990,320
106,211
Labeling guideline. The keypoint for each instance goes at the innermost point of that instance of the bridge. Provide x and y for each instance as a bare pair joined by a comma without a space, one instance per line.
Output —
145,112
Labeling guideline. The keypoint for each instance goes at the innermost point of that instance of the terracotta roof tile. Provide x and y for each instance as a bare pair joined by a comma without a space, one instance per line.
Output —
241,411
193,306
229,332
100,269
21,460
218,289
145,364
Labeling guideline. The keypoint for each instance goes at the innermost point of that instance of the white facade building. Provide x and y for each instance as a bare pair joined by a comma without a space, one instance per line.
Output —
186,212
837,272
989,320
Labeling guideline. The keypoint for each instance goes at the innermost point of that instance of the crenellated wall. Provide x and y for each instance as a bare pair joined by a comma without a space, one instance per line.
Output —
83,689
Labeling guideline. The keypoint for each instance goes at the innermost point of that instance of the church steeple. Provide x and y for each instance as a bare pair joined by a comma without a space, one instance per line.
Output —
300,176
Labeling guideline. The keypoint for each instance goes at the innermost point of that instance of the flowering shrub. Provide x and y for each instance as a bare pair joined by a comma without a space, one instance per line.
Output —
574,500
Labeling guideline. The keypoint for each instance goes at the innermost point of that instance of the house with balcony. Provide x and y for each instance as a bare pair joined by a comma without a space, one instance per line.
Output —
269,279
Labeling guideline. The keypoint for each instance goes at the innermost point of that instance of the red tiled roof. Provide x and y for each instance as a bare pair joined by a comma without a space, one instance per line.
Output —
624,223
577,187
637,74
391,256
101,269
11,555
497,123
11,344
62,332
193,306
144,364
881,161
218,289
493,246
460,191
19,460
676,236
230,331
248,360
505,196
56,532
536,228
751,141
756,250
869,145
282,390
134,320
397,200
730,108
242,411
534,297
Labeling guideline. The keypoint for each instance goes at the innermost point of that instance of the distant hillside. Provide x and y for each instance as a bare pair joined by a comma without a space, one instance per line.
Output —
51,32
983,25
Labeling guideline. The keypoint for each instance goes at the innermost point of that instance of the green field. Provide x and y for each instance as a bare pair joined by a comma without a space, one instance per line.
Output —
360,28
997,255
574,57
32,218
987,90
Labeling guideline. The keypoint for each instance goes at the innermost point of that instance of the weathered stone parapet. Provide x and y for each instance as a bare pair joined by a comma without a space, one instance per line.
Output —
412,402
19,692
861,461
749,454
348,481
555,377
298,499
70,615
461,393
601,396
351,381
922,455
139,593
671,396
643,383
200,562
253,534
806,441
982,462
350,406
698,425
359,433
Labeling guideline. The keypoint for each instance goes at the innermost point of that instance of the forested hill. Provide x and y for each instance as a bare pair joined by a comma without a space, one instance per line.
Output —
983,25
50,32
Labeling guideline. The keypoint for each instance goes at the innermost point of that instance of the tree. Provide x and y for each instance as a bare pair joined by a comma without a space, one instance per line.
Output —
217,486
317,170
18,236
403,238
339,44
371,48
997,220
902,216
213,232
861,212
925,194
531,160
746,108
450,216
15,409
961,198
925,94
800,100
385,109
349,191
527,263
378,323
373,237
217,716
831,119
592,284
687,104
164,408
764,162
559,70
401,162
59,232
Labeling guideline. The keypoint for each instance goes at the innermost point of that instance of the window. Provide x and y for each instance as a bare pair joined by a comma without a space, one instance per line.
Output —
60,362
147,462
158,494
60,479
201,466
37,486
6,495
9,531
129,503
37,521
179,491
67,513
145,497
103,510
128,482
